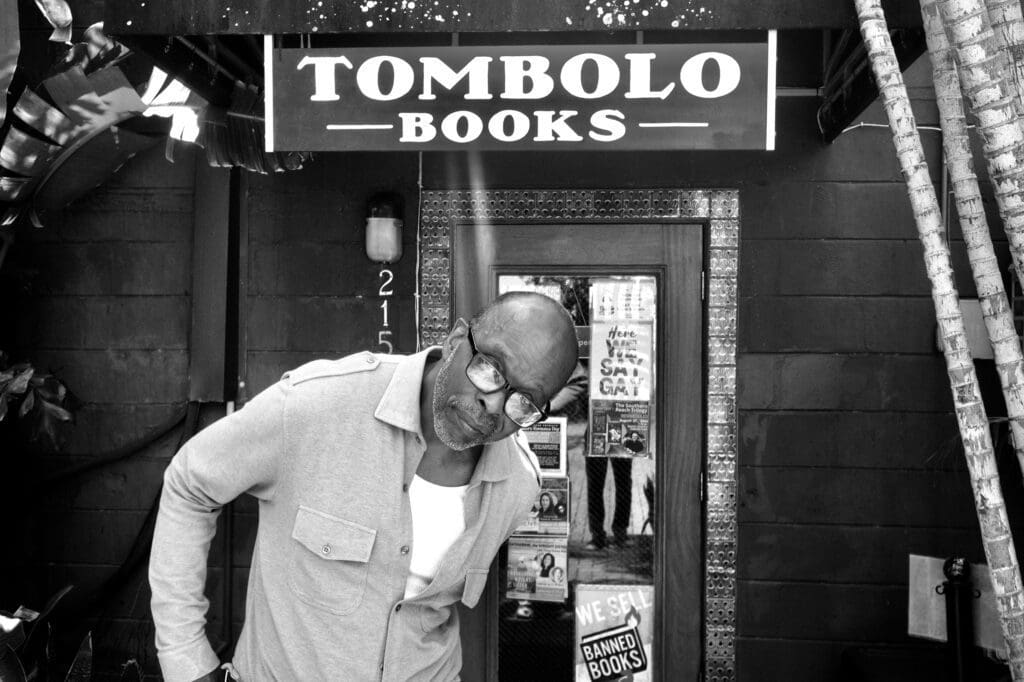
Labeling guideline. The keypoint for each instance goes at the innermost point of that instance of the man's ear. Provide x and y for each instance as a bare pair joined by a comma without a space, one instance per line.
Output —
455,336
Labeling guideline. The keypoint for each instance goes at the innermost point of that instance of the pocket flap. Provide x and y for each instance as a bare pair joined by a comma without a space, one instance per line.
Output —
476,580
332,538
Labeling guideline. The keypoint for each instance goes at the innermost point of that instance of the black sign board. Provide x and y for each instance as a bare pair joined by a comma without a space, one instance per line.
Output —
679,96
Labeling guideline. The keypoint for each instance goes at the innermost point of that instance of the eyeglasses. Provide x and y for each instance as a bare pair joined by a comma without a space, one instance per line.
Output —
483,373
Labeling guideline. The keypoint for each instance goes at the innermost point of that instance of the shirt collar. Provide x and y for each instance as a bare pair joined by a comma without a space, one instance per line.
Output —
400,404
400,407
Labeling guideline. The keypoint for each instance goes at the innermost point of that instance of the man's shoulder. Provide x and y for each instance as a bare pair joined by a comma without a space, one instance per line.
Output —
355,365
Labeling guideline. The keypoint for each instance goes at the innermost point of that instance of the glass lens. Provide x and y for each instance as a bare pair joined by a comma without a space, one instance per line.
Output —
521,409
484,375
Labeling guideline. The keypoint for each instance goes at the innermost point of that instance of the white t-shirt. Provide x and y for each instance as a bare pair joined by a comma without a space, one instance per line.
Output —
438,519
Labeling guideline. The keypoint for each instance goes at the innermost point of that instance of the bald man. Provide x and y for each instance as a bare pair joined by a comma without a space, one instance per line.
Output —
386,485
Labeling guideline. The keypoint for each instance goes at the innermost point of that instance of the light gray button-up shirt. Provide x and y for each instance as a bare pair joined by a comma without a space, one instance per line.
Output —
329,452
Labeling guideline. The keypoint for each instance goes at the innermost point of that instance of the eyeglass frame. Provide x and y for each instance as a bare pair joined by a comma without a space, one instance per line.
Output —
508,388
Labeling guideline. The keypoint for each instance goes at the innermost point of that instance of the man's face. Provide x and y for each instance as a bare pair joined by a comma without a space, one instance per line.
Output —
465,416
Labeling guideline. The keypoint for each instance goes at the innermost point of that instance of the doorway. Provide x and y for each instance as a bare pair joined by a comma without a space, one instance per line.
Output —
632,484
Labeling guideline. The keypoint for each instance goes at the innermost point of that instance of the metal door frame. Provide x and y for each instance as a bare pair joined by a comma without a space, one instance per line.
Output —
441,210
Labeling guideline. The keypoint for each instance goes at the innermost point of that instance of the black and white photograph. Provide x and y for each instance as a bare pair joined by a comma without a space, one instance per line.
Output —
518,341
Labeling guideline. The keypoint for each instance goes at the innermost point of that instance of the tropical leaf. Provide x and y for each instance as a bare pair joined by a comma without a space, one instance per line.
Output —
38,397
81,667
49,388
53,411
27,404
19,384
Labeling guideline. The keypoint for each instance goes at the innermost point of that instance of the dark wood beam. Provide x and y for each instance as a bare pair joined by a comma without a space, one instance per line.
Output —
194,17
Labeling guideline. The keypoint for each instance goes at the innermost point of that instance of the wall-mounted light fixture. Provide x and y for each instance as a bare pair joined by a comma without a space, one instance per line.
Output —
384,227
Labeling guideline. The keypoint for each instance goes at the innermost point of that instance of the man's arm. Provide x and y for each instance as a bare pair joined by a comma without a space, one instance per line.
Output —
240,453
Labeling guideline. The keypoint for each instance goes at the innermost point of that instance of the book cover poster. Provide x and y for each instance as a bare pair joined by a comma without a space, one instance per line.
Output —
537,568
548,441
550,513
623,298
614,632
621,388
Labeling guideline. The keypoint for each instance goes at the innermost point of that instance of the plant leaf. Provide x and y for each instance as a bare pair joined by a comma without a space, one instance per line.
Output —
54,411
27,404
20,382
49,388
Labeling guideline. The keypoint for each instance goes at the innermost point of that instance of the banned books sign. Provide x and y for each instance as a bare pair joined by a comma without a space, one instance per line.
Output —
614,630
674,96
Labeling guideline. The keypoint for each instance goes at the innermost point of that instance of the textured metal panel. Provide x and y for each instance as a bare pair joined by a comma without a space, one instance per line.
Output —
720,208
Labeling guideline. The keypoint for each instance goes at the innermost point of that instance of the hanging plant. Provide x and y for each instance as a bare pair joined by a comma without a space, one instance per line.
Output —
38,398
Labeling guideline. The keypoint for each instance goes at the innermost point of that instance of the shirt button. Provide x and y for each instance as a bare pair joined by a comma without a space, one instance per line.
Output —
369,359
326,549
398,608
404,549
405,487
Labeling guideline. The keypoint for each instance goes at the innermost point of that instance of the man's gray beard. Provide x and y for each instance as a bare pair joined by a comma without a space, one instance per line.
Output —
439,405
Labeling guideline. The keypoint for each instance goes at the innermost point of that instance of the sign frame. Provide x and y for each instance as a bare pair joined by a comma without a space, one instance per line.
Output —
539,97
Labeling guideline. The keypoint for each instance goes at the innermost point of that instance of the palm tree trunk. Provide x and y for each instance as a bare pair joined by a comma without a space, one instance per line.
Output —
994,102
970,411
1008,25
994,304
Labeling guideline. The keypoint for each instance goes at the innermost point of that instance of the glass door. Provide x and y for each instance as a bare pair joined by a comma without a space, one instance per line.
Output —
578,599
604,581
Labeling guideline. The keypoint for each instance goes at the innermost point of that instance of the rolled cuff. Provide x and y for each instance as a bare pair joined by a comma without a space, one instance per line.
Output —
189,662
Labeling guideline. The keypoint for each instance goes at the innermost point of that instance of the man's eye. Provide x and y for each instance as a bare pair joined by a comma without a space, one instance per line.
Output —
495,373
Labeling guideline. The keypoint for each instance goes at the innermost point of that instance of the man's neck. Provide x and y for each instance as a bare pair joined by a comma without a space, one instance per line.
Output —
444,466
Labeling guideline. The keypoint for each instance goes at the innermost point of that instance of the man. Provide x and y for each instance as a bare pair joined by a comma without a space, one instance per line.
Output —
386,485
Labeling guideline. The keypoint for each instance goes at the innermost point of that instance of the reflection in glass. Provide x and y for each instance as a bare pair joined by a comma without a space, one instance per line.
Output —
603,475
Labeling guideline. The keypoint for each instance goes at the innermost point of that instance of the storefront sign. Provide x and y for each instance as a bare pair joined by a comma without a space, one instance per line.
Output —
690,96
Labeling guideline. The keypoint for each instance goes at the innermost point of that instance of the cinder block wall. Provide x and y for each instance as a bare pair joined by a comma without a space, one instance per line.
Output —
100,296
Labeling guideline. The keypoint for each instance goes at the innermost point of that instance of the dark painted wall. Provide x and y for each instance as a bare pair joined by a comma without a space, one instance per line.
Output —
99,296
848,459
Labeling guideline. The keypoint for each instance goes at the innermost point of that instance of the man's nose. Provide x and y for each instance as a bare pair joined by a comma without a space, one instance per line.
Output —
493,403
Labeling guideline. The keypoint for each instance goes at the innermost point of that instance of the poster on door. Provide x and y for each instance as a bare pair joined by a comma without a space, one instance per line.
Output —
621,388
622,312
614,632
620,299
547,439
537,568
550,512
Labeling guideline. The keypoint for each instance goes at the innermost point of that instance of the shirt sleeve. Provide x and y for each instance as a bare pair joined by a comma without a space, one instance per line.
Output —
237,454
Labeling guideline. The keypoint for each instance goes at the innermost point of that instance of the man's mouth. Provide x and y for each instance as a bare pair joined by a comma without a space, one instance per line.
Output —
468,424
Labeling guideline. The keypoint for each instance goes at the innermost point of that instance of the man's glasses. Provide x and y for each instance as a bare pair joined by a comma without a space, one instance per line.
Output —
483,373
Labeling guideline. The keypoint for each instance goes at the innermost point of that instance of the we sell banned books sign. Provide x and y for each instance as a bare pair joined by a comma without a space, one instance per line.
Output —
675,96
614,631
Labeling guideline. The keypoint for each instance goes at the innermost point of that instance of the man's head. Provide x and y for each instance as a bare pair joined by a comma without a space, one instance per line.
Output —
529,340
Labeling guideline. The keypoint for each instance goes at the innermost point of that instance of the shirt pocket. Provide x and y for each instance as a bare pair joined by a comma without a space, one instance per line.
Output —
329,561
476,580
